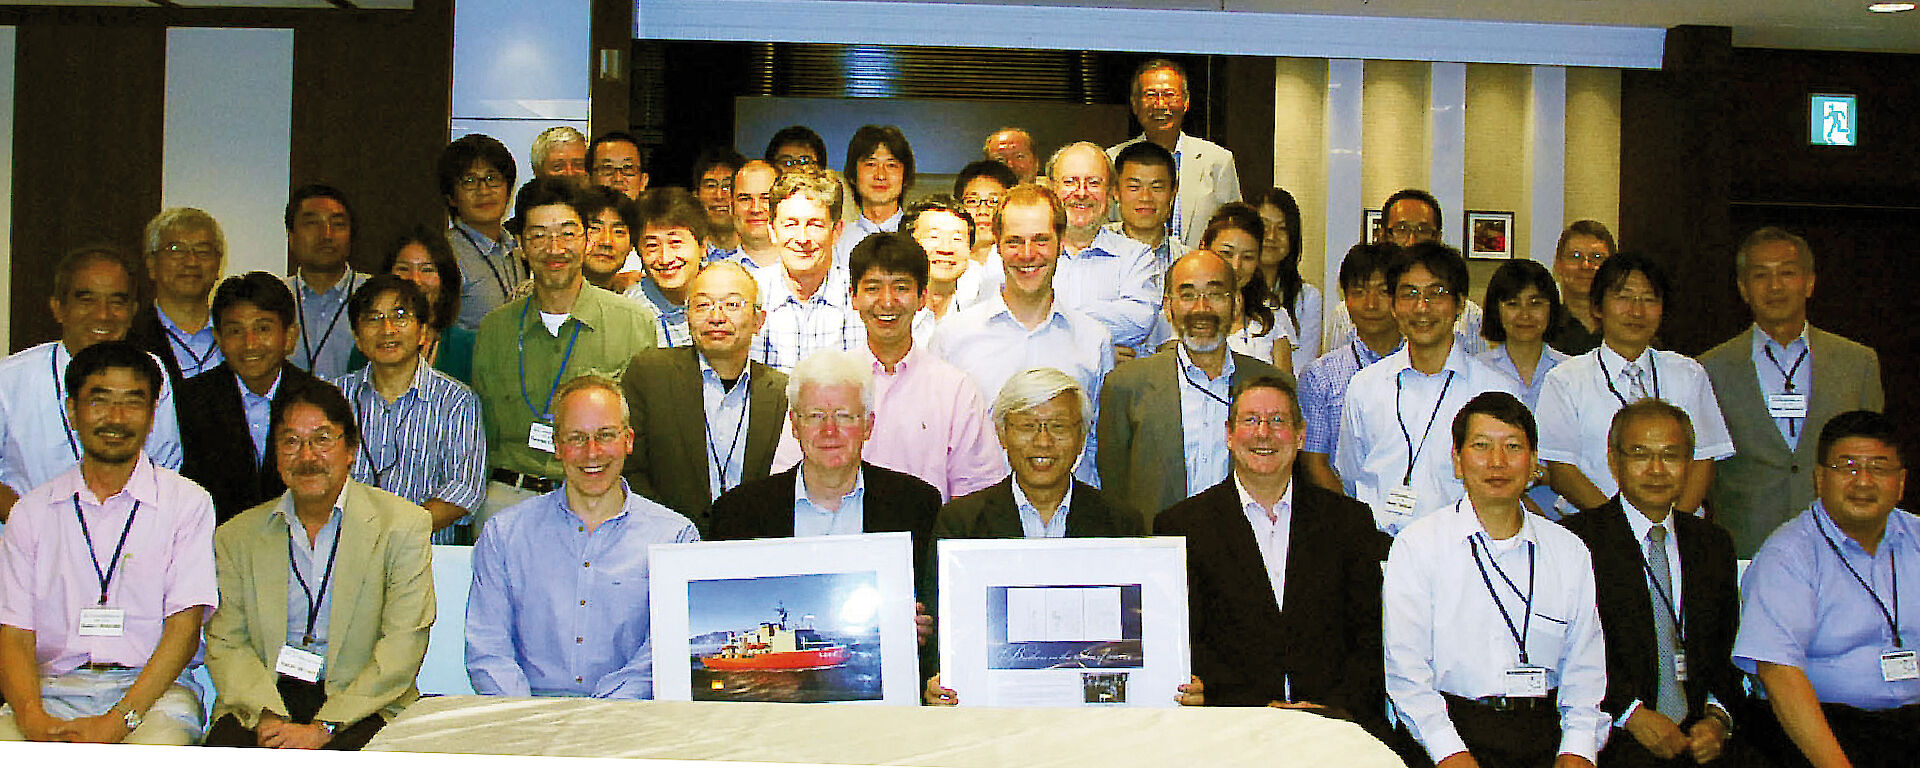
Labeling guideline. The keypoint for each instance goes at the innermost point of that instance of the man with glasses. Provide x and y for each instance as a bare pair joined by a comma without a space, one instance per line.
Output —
1387,451
1820,622
186,252
796,146
1102,272
530,346
615,161
320,242
1203,171
980,186
420,429
558,603
1583,246
1159,430
713,174
476,175
1413,216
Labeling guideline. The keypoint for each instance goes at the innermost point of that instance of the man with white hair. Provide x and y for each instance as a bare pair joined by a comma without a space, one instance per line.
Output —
1103,273
186,253
560,152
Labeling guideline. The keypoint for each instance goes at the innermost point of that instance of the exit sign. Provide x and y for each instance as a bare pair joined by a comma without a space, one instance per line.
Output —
1832,120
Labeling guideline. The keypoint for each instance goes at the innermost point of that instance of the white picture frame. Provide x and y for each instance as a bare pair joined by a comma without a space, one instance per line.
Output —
846,636
1064,622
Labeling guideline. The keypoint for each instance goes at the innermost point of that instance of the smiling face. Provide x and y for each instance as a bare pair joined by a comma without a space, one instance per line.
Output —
112,414
312,474
716,196
948,241
1146,196
1263,435
1240,250
388,333
1200,302
1278,240
1651,462
981,197
805,230
887,302
672,256
1776,285
1080,181
255,343
616,164
1029,249
1043,442
1160,100
609,240
1860,500
1525,315
1015,149
721,313
752,211
1574,268
831,424
554,239
591,438
1630,313
415,263
480,195
879,177
1425,307
186,265
1495,461
565,161
98,306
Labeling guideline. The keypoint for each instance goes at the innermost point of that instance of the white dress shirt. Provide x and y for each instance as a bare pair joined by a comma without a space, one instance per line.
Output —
1272,532
1577,404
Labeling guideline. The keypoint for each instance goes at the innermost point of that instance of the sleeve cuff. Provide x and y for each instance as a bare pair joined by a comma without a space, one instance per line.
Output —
1621,721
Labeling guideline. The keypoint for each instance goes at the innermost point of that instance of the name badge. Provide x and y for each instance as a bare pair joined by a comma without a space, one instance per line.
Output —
1899,665
1402,500
1526,682
299,664
102,622
540,437
1787,406
1680,665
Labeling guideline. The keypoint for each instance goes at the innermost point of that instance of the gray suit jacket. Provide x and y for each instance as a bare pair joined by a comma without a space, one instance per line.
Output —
1142,458
669,460
1764,483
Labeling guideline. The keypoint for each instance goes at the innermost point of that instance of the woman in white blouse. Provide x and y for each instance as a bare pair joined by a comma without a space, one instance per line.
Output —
1280,272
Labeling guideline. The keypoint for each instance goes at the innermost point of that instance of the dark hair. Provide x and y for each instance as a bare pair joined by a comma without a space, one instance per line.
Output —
1439,258
264,291
669,208
869,139
446,307
716,157
610,137
1507,282
1267,381
1412,194
1586,227
460,155
405,293
796,134
888,252
80,258
992,169
1149,154
539,192
1255,301
1648,408
312,191
1364,259
1287,283
1872,425
1504,408
318,394
112,354
596,198
944,203
1616,269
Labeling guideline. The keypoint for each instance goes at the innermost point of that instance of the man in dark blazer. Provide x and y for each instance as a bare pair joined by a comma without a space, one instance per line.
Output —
224,412
1769,479
705,419
185,254
1662,717
1283,578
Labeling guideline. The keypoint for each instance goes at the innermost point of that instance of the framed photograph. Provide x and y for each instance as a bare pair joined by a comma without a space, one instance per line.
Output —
1489,235
1372,225
819,619
1064,622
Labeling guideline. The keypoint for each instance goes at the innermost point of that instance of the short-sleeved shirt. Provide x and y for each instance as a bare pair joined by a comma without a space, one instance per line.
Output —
671,317
427,444
490,271
1578,400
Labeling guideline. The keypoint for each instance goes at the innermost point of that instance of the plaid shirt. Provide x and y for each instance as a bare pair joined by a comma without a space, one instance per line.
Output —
796,327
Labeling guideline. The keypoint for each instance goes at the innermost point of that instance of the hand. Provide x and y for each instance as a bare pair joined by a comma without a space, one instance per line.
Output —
1122,354
1656,732
109,728
268,729
40,726
1705,739
922,623
1460,759
937,696
295,736
1571,761
1193,694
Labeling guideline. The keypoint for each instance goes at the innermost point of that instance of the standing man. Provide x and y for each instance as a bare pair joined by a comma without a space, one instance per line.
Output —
1148,184
880,163
1311,638
313,651
186,253
615,161
319,241
673,248
795,146
530,346
1102,273
476,175
1408,217
1368,299
806,293
1014,147
706,419
560,152
558,605
95,293
1776,384
1205,175
1583,246
1160,427
253,314
94,648
753,217
1667,593
713,174
613,221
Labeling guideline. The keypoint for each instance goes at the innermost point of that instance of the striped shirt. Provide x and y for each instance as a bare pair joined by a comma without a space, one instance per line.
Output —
796,327
427,444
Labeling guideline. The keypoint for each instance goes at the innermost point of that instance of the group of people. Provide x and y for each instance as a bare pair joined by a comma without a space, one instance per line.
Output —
1111,344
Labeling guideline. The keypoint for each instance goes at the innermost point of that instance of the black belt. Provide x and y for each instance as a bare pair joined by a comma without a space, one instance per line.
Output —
94,666
1515,703
534,483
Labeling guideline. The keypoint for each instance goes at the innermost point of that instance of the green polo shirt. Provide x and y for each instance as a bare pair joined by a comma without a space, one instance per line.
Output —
612,330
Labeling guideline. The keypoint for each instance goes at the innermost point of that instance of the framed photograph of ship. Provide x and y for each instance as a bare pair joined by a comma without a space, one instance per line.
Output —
1063,622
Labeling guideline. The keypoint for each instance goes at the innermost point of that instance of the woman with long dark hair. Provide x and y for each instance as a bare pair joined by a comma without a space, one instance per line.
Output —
1280,274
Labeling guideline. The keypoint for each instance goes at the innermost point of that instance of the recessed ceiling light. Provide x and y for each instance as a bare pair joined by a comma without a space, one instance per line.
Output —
1890,7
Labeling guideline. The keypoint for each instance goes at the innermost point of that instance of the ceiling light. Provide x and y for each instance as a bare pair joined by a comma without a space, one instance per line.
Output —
1890,7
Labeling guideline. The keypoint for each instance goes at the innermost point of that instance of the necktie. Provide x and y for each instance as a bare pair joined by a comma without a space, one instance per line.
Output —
1636,383
1670,700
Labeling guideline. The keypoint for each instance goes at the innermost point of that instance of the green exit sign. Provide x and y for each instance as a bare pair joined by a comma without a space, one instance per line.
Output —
1832,120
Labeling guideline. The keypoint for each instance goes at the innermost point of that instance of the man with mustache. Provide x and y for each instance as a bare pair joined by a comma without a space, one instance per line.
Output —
311,650
1159,428
1204,170
673,248
320,242
94,639
186,253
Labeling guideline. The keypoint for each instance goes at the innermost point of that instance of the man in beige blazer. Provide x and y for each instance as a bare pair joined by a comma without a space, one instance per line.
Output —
309,649
1778,383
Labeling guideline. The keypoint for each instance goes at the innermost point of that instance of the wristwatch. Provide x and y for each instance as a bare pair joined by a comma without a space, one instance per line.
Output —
133,718
330,728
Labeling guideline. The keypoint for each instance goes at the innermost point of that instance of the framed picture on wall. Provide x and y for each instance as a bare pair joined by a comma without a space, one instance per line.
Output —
1371,221
1489,235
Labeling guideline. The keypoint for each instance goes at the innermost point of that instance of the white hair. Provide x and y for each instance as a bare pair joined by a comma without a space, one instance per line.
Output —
553,137
830,367
184,218
1034,386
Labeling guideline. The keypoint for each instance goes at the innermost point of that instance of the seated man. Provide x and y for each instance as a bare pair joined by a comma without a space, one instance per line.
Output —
92,652
1819,620
296,667
539,625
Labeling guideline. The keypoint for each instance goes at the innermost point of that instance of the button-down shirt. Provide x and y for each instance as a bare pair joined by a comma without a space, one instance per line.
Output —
990,345
555,610
1323,392
670,317
326,333
258,410
1114,281
47,574
612,331
36,442
1502,360
194,352
1577,407
810,519
1030,525
1396,427
490,271
1444,633
427,444
738,256
1787,371
1272,533
858,230
310,561
1466,330
726,439
1801,607
797,327
1203,419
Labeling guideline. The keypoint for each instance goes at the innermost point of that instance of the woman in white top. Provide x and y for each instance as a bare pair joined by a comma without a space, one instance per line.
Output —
1235,232
1280,273
1522,305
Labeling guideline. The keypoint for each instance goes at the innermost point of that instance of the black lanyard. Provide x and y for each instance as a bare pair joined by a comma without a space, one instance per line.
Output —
105,576
1786,374
1202,387
482,253
1673,606
746,407
185,343
1526,619
1608,377
543,413
300,308
1893,570
313,602
1413,453
60,394
399,428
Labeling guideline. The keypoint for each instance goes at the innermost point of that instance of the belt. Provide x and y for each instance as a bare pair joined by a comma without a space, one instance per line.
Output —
1517,703
94,666
534,483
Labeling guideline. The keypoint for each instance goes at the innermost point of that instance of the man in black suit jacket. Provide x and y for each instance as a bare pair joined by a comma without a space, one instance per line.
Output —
1650,445
1316,645
225,444
185,254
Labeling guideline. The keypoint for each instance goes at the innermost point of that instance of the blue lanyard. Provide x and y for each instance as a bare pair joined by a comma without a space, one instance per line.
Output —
106,576
1526,618
313,602
544,412
60,395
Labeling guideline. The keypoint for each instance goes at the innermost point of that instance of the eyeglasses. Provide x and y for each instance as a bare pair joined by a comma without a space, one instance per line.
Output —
1879,468
322,442
1190,296
623,171
183,252
1429,295
1031,428
1645,299
580,440
489,181
1417,230
731,305
988,201
1274,421
841,419
1592,259
793,161
400,318
536,238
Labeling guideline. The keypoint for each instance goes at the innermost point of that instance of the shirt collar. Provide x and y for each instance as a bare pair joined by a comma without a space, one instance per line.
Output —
997,309
1463,523
1761,341
1456,359
833,290
142,486
901,368
800,484
293,519
1899,531
1021,502
1248,505
487,244
278,376
1369,356
168,322
564,509
1190,369
589,309
1618,363
1641,524
658,298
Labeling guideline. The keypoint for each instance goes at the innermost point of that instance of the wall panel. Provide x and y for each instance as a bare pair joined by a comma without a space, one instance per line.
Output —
1300,156
229,104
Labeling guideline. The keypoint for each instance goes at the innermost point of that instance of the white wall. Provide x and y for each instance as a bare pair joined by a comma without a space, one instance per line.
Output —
520,68
228,136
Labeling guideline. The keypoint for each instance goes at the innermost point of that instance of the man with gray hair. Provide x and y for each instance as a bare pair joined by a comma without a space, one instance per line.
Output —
1102,272
560,152
1204,170
186,253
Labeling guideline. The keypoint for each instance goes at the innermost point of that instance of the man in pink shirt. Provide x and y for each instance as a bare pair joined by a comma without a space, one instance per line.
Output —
929,420
106,573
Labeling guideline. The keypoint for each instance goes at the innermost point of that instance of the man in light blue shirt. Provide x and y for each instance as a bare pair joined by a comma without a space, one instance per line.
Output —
1323,384
1103,273
558,604
319,240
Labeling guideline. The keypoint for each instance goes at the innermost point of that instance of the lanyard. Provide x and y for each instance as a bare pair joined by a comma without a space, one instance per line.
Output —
1526,619
1608,378
313,602
59,393
1413,452
326,336
482,252
185,344
106,576
542,413
1786,374
1893,569
746,407
399,429
1202,388
1674,608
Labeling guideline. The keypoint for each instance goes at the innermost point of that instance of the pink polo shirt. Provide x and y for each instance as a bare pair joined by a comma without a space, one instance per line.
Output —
47,575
